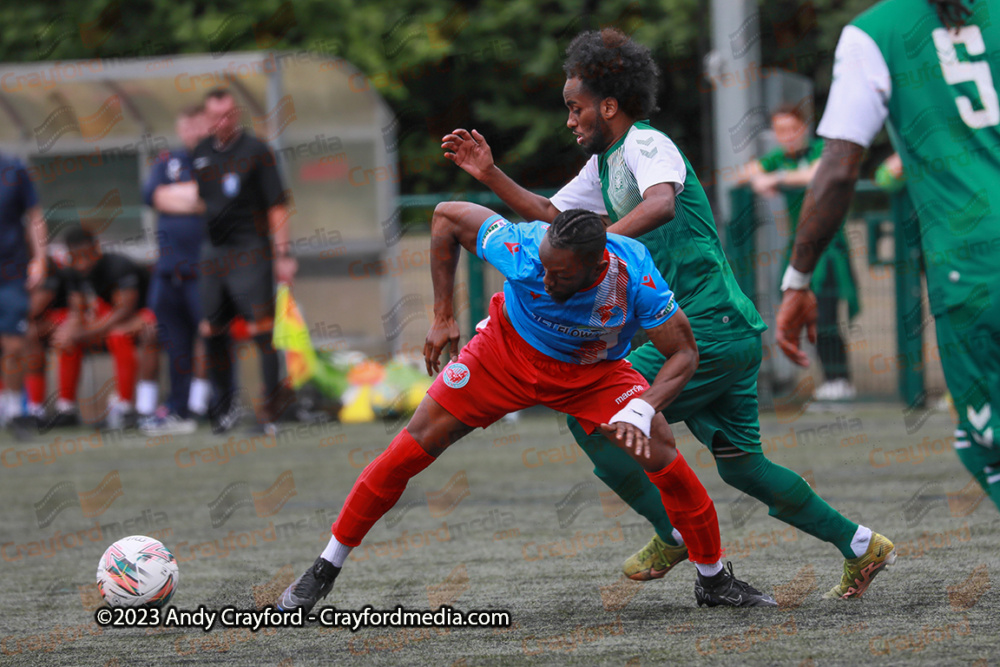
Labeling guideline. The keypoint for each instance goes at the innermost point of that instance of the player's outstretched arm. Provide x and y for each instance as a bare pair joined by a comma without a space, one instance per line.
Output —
470,151
823,213
454,225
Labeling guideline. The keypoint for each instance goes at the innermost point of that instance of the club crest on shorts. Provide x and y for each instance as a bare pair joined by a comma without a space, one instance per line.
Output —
231,185
456,375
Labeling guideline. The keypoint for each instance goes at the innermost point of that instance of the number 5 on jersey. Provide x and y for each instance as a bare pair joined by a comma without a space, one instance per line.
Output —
960,71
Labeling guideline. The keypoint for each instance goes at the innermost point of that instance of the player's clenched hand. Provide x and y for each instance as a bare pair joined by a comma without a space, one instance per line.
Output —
629,435
444,331
798,310
468,151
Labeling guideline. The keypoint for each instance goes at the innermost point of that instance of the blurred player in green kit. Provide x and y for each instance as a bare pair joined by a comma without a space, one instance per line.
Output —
639,178
929,67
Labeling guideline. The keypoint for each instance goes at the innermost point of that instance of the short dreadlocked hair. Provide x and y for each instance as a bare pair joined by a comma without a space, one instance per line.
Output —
610,64
580,231
951,12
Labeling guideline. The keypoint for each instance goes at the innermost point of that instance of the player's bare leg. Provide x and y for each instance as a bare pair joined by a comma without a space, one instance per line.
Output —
430,431
690,510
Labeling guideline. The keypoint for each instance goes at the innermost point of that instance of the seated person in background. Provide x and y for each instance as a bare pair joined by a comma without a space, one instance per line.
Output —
792,165
49,310
108,303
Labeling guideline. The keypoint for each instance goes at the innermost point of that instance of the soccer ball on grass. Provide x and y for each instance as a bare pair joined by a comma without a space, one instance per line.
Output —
137,571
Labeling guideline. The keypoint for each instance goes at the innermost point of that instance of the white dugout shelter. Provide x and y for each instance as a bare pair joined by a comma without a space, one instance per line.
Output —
89,131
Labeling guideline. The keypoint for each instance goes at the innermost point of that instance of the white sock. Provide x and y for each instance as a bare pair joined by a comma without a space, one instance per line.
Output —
198,396
336,552
146,395
12,403
709,570
36,409
862,538
62,405
677,536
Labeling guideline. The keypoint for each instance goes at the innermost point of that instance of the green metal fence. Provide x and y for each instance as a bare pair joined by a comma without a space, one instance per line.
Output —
741,249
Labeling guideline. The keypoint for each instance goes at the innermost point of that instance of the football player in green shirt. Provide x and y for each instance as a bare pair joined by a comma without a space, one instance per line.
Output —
930,68
792,165
638,178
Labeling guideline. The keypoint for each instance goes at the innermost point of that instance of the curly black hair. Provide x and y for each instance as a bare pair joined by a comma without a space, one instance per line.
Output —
580,231
610,64
77,237
951,12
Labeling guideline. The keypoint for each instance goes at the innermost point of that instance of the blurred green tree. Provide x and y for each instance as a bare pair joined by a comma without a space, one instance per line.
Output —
495,65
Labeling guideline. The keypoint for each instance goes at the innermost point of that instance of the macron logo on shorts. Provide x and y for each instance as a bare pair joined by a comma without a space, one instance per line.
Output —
636,389
456,375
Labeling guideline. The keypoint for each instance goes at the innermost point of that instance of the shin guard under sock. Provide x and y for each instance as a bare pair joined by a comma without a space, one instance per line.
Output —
378,488
690,509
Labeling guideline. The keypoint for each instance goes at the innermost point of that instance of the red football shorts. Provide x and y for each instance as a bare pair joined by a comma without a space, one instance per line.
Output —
54,317
144,315
498,372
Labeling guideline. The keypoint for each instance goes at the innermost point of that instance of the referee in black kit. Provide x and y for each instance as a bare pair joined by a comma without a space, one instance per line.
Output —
245,250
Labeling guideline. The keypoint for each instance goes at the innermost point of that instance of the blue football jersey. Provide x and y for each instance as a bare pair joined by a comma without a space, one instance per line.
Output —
592,325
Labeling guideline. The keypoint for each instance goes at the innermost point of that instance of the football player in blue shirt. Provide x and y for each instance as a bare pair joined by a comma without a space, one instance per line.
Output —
557,336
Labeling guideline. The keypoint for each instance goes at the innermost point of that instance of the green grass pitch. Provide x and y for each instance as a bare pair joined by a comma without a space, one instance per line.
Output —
511,518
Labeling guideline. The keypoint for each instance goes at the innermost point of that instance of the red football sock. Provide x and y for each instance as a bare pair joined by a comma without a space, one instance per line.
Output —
34,385
378,488
690,510
70,363
122,348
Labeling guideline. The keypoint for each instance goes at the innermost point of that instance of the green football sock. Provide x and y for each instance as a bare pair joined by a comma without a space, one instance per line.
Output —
977,461
625,477
788,497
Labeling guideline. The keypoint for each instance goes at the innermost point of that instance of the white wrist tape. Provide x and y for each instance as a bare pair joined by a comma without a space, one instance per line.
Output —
795,279
637,412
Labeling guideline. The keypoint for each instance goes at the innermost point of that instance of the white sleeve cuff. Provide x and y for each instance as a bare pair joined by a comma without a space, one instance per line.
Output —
637,412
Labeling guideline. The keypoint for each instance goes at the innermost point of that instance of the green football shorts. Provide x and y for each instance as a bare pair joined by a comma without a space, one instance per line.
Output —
721,398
